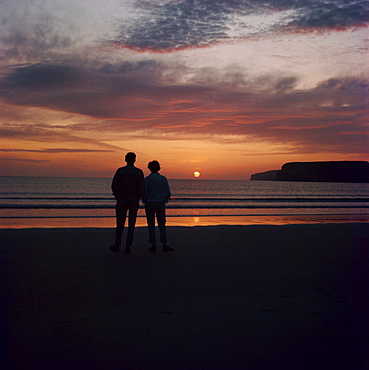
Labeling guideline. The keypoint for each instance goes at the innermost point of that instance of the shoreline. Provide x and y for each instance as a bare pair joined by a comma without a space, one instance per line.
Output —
254,297
109,222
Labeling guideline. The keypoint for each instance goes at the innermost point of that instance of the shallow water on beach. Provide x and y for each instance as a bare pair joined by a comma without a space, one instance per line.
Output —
87,202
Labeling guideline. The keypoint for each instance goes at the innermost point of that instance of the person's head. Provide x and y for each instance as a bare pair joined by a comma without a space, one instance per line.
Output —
154,166
130,158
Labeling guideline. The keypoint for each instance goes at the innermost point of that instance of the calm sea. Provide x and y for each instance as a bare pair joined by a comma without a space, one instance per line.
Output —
87,202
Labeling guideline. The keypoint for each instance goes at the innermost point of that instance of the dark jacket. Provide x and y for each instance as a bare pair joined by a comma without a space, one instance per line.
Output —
128,181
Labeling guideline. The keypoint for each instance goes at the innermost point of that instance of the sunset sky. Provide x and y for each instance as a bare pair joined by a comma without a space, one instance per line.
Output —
227,88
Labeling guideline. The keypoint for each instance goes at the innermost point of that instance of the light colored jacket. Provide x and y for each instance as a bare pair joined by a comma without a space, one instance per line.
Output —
156,188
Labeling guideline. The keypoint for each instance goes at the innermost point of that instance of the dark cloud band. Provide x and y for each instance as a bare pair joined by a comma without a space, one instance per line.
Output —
174,25
55,150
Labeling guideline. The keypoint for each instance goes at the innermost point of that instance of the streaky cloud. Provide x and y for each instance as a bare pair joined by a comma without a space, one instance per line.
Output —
135,95
56,150
25,160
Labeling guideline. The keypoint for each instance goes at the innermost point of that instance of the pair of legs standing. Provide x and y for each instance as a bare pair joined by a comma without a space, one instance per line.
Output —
130,205
157,209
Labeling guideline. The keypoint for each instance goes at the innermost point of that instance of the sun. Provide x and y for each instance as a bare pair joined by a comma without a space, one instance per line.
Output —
196,174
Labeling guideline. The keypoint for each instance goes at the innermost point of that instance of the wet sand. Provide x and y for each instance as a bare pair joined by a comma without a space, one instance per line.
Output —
240,297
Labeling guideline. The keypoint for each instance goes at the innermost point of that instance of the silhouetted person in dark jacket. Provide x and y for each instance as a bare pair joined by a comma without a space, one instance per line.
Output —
128,188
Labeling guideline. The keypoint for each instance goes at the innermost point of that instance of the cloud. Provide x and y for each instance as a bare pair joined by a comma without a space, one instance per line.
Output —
44,78
173,25
136,101
24,160
128,99
54,31
33,30
72,31
132,96
56,150
339,14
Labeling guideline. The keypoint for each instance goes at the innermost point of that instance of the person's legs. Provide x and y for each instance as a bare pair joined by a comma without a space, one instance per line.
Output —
120,215
161,217
132,216
150,217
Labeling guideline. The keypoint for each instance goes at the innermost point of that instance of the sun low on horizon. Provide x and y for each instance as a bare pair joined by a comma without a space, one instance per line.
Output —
247,87
196,174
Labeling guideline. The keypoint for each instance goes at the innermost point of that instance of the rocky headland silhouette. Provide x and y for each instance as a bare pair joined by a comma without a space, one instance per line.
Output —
332,171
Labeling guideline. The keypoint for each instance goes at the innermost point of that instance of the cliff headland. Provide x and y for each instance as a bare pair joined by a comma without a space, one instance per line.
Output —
333,171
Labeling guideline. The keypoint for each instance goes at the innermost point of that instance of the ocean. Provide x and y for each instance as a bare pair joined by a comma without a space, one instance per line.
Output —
88,202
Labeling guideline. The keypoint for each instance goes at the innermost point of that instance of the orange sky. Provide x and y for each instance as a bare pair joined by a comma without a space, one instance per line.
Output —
244,90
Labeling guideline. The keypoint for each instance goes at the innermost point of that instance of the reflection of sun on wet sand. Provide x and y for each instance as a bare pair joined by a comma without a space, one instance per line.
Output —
196,220
240,297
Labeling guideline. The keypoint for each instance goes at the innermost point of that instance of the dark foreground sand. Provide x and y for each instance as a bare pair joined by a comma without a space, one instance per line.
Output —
238,297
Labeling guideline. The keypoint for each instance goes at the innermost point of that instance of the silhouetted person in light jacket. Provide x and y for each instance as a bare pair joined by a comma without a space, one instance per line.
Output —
128,189
157,194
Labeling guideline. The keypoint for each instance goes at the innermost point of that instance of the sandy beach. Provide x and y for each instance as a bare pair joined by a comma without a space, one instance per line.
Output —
238,297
